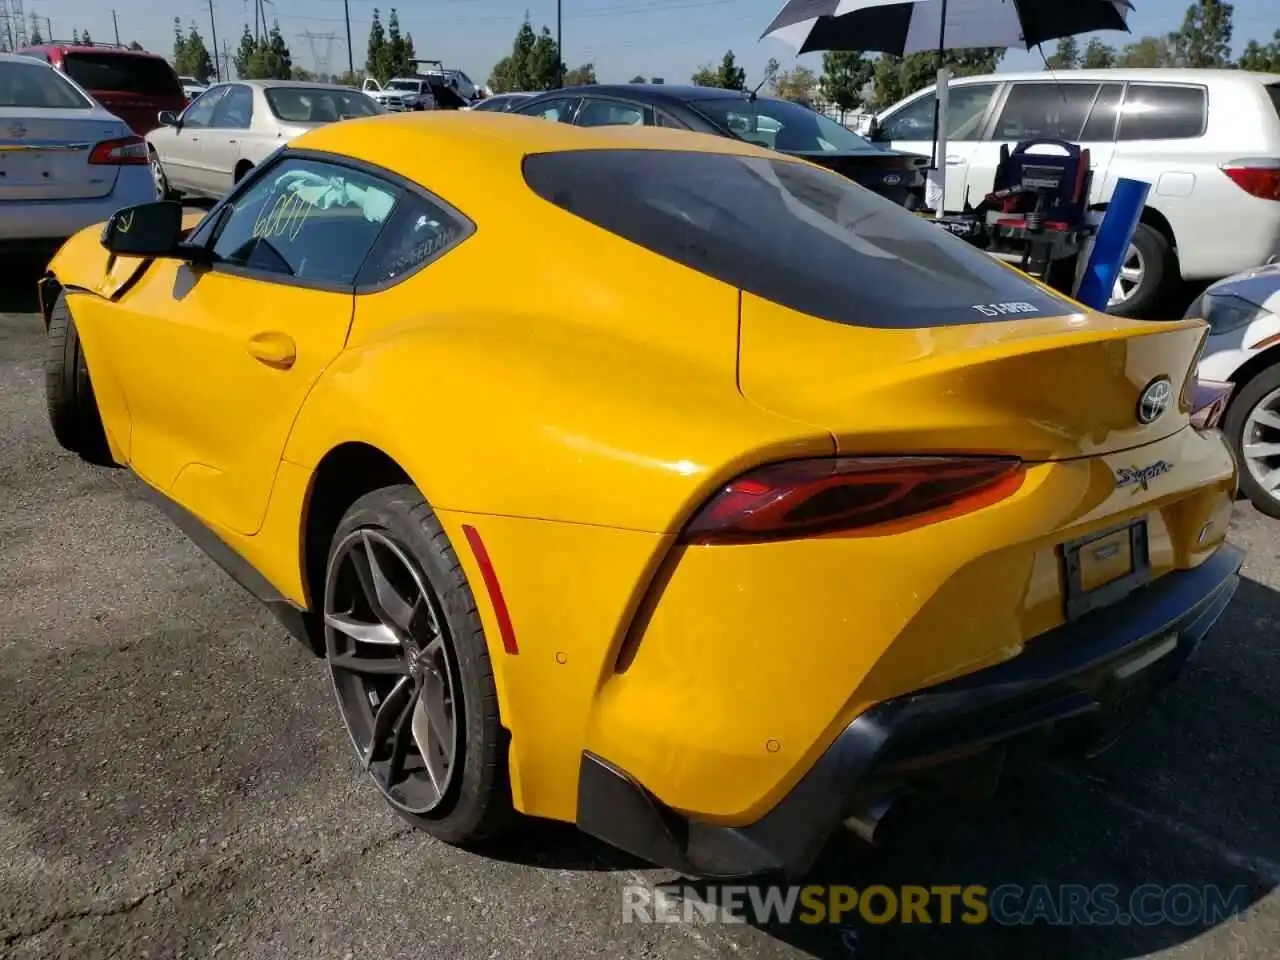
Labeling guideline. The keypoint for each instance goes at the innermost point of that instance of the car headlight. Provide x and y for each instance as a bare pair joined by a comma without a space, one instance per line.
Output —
1225,312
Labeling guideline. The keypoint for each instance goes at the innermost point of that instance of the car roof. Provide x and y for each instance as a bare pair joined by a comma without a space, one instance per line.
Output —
1132,74
107,48
274,84
651,92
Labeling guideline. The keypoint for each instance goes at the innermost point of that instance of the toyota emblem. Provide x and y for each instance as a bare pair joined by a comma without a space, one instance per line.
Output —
1154,400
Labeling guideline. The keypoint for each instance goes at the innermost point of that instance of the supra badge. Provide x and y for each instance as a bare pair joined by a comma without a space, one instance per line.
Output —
1140,477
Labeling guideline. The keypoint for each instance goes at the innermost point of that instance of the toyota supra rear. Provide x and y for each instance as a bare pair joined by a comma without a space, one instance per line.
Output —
746,504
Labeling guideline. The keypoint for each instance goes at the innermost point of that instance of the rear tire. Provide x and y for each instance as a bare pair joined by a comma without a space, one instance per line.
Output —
1242,428
1149,249
163,190
73,409
403,637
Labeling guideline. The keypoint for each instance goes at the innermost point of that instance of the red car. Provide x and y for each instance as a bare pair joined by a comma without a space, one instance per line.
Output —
132,84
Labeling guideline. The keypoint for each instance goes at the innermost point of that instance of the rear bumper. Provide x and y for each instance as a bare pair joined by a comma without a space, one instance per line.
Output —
37,223
1078,675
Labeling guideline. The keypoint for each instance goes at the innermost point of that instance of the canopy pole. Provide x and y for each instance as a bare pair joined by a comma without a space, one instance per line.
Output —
940,98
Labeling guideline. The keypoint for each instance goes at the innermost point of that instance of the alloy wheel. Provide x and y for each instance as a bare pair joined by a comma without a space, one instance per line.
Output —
392,666
1260,443
157,175
1132,272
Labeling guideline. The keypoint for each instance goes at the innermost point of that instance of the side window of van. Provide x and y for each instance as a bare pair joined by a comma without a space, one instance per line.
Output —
1154,111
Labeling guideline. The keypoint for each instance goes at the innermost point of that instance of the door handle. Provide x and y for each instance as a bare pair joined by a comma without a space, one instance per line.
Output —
230,141
274,349
954,161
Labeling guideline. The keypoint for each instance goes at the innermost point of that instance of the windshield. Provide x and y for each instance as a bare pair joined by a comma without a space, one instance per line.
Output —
318,104
121,73
35,85
403,85
782,125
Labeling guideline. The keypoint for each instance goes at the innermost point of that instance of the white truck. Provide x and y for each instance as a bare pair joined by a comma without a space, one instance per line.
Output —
402,94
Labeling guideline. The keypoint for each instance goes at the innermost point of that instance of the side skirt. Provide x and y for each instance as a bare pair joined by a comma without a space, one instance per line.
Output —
302,624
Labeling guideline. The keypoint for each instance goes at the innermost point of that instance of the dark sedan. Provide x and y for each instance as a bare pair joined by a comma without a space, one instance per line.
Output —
777,124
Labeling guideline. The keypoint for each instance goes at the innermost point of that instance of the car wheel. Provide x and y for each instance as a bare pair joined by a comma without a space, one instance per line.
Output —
411,671
73,409
1147,268
1253,428
163,191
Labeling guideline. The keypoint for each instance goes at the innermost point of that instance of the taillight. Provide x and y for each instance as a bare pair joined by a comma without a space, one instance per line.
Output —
1260,177
850,495
1209,403
120,153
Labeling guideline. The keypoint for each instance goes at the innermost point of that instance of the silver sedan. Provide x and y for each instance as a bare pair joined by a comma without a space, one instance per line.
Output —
232,127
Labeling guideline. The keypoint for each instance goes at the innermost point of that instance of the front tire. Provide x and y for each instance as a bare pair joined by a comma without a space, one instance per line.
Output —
1253,428
72,407
163,190
411,671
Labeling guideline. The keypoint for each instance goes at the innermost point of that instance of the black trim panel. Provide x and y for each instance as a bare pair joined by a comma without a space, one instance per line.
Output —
1081,676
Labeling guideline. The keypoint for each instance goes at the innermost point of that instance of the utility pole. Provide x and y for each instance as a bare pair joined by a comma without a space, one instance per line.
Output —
213,30
559,43
116,24
351,60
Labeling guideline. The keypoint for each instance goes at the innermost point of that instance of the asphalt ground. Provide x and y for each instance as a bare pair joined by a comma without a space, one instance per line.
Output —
175,781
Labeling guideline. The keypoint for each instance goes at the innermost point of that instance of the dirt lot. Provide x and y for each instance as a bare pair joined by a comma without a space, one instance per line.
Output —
174,779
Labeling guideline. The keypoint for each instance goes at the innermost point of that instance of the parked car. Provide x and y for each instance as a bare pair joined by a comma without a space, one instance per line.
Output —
402,93
746,503
234,126
132,84
777,124
1208,142
1243,353
501,102
65,161
191,87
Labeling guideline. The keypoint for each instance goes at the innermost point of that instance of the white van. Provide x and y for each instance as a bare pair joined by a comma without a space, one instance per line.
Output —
1208,142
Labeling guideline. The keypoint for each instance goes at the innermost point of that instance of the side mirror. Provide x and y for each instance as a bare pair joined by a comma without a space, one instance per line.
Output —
145,230
873,131
167,118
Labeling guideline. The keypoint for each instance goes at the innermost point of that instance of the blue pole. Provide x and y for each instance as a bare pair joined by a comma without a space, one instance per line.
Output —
1111,244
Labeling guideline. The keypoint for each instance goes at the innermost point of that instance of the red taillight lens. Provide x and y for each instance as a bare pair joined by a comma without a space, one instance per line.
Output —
1209,403
120,153
862,495
1258,177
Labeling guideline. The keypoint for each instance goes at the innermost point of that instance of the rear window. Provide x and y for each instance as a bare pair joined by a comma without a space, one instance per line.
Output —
781,125
41,87
121,73
318,104
1158,112
799,236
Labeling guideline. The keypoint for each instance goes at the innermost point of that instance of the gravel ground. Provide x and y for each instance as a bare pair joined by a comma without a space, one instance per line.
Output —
175,780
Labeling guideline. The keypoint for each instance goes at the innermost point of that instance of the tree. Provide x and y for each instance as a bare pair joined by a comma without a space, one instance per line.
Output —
512,72
898,77
1066,56
639,78
771,73
378,60
135,45
399,49
1147,52
728,75
580,76
546,70
36,36
242,59
279,61
190,56
1264,58
1098,55
75,36
1204,39
302,73
86,39
845,74
799,84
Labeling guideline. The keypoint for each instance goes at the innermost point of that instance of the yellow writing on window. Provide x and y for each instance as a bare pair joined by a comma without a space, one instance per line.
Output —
286,216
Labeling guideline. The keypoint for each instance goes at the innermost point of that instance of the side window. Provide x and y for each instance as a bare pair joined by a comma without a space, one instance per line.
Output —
559,110
1045,111
1159,112
200,113
967,108
306,219
417,233
1101,125
612,113
666,120
235,110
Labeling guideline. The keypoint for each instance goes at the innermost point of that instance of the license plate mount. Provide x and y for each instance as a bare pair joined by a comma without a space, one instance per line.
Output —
1103,567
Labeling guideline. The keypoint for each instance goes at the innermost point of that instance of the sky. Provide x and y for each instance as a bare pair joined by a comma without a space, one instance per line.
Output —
623,38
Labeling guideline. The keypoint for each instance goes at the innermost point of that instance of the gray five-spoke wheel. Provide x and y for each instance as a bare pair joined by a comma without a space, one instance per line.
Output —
1132,272
1260,443
393,672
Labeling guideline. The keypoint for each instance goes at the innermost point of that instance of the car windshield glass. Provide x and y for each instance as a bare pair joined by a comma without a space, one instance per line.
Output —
318,104
38,86
121,73
792,233
782,125
403,85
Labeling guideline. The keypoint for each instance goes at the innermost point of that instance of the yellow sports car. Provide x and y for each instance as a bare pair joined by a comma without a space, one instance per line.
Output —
651,481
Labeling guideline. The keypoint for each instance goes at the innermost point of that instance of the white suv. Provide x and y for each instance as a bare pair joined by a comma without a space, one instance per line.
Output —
1208,142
